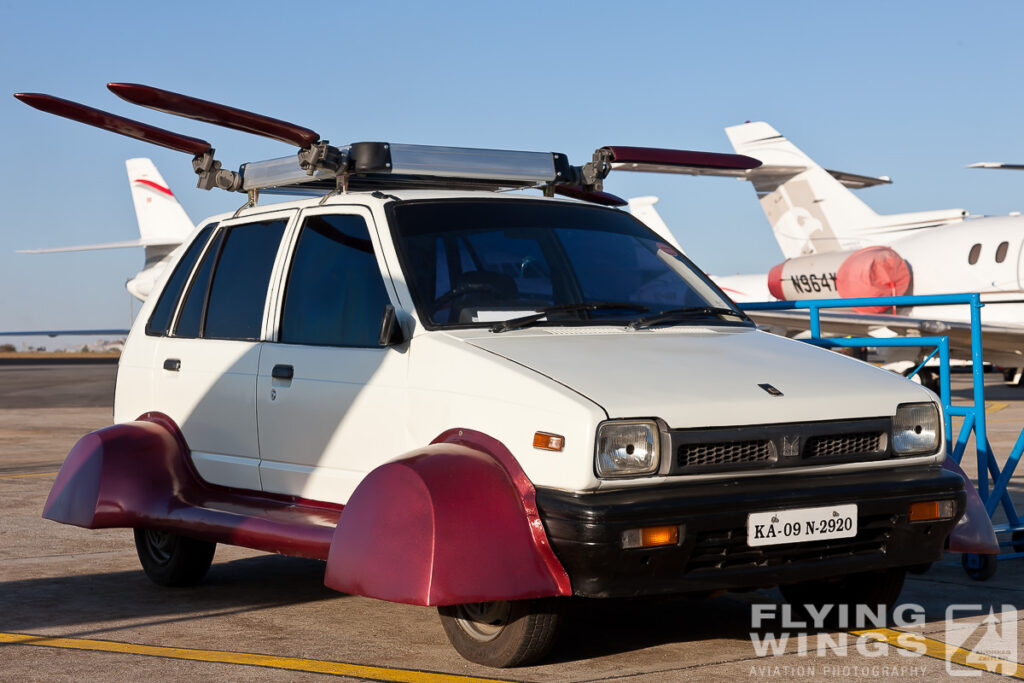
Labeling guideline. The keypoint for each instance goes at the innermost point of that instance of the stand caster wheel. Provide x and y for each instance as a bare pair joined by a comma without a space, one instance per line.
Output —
979,567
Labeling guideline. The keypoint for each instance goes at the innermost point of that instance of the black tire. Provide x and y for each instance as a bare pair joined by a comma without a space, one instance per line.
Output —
979,567
927,378
869,588
503,634
1009,375
171,560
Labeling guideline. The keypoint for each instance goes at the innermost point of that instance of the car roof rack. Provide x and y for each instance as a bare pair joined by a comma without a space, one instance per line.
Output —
321,168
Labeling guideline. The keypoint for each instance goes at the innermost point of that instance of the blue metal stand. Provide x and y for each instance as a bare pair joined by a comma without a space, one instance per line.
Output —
1012,533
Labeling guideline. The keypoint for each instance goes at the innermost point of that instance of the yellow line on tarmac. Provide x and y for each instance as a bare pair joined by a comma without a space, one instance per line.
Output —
915,642
289,663
996,407
30,474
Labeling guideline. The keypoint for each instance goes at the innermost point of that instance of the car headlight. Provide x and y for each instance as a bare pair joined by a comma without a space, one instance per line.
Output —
627,447
915,429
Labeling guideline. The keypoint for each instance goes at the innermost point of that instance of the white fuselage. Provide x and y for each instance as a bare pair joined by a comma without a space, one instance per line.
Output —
975,255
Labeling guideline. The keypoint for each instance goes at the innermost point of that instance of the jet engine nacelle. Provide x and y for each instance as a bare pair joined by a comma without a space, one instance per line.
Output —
872,271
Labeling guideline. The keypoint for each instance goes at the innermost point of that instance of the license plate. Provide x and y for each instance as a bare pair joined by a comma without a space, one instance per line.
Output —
801,525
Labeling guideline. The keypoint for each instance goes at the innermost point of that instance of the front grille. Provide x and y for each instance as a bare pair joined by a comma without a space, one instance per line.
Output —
833,445
726,449
725,453
728,549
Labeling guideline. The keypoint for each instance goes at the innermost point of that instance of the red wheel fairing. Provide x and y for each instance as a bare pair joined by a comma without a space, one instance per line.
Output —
451,523
138,474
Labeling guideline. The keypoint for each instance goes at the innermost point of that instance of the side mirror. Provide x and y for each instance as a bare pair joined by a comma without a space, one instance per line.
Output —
390,330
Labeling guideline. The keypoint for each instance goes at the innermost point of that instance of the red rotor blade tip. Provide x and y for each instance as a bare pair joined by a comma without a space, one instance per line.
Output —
211,112
114,123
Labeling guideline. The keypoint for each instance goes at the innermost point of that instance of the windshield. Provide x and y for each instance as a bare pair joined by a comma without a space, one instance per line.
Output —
475,263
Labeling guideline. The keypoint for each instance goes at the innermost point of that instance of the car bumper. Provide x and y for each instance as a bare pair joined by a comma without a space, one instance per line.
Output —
585,531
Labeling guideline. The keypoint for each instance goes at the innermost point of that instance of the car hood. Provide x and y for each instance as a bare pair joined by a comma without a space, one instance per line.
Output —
702,376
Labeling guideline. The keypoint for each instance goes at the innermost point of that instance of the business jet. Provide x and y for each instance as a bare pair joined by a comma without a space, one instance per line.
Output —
836,246
163,225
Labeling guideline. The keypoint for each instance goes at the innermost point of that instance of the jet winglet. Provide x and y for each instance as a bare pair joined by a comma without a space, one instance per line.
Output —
996,164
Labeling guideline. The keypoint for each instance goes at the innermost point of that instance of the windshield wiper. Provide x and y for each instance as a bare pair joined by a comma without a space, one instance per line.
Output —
681,314
526,320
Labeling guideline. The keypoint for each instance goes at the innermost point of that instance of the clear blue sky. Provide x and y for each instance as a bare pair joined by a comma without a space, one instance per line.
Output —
914,90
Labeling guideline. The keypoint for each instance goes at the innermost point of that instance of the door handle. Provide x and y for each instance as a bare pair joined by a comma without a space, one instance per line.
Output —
172,364
282,372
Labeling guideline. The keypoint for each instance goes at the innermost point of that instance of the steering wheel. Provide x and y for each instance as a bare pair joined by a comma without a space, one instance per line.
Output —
461,291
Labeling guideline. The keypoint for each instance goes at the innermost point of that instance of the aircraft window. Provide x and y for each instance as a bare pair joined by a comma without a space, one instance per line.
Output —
191,315
335,294
1001,251
972,258
160,321
239,289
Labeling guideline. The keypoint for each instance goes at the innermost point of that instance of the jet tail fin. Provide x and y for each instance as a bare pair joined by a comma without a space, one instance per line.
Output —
163,223
162,220
807,207
811,209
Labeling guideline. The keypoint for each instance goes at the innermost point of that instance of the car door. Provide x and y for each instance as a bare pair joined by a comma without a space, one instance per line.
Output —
205,374
330,399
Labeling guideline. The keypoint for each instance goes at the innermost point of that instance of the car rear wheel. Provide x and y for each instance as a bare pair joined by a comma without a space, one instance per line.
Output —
872,589
172,560
503,633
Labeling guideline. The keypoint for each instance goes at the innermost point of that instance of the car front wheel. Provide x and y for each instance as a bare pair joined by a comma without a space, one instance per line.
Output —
172,560
503,633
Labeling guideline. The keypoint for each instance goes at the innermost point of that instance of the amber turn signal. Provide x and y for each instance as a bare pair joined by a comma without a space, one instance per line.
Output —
548,442
931,510
650,537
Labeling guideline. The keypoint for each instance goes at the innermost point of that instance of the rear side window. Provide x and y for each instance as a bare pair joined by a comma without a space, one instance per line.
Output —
160,321
191,317
238,292
335,294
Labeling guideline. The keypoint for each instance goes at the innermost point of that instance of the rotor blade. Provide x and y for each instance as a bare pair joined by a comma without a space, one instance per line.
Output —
114,123
217,114
656,160
577,192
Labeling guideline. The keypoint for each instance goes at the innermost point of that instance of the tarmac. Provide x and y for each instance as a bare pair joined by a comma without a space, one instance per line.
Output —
75,605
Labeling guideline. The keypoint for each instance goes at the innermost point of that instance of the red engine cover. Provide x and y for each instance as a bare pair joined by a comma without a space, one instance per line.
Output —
868,272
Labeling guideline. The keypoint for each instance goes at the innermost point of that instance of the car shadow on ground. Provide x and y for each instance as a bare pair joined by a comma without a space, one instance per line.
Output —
598,628
238,586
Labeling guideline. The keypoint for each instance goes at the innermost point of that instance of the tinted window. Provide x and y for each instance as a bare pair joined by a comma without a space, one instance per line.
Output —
191,317
637,270
239,289
160,321
475,262
1001,251
335,294
972,257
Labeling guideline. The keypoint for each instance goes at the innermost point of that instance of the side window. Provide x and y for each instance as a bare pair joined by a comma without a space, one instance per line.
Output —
335,294
1001,251
972,257
160,321
238,292
191,317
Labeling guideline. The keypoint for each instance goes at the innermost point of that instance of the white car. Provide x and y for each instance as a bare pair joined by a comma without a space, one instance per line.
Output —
488,403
